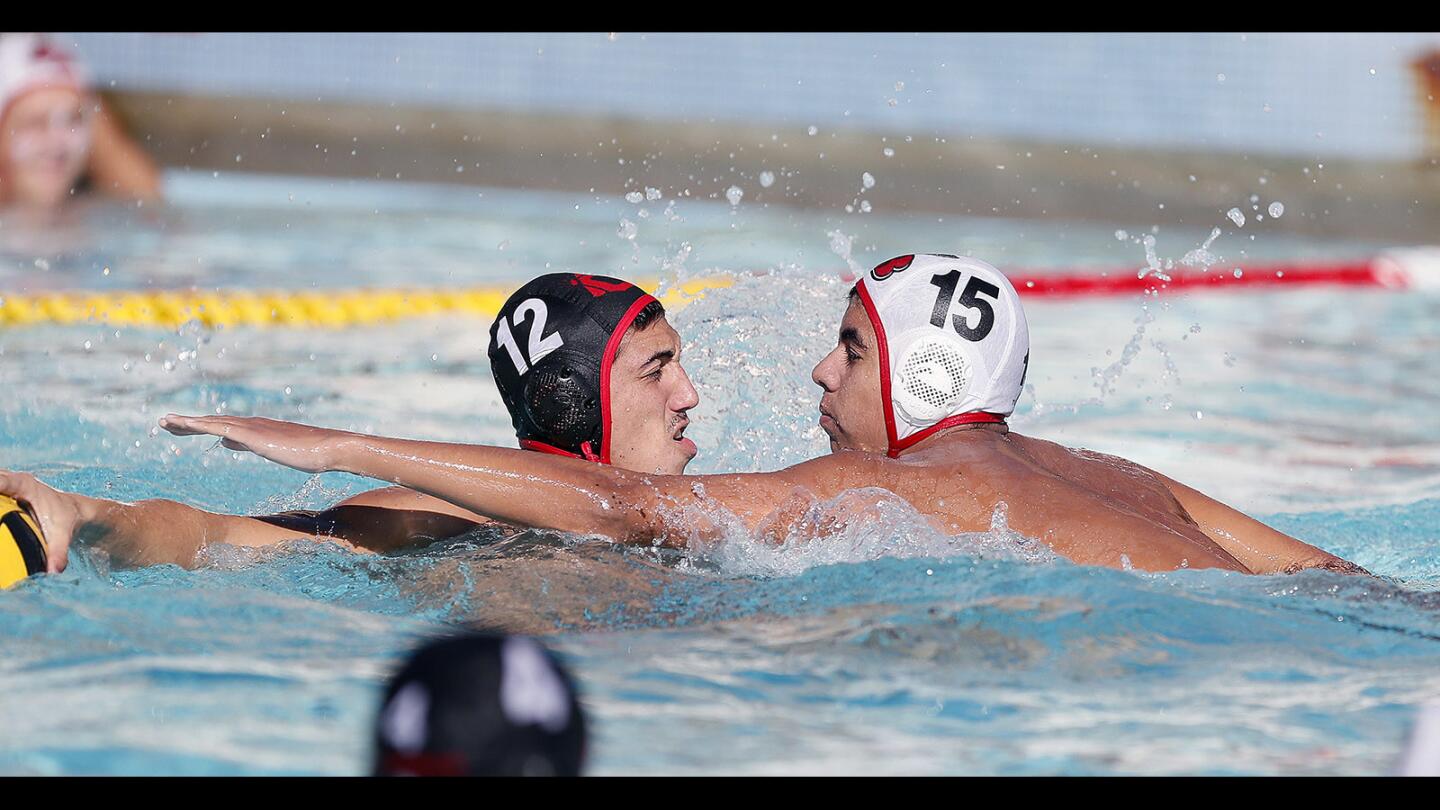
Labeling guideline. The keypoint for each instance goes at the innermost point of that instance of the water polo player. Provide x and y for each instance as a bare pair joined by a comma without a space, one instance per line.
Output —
587,366
480,705
56,135
931,354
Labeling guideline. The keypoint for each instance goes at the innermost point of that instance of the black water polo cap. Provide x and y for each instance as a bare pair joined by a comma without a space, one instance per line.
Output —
551,348
480,705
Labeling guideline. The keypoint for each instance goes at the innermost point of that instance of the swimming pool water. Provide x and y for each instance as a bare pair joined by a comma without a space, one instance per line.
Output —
879,651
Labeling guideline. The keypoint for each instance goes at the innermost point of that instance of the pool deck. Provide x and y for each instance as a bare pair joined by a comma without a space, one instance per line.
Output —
939,173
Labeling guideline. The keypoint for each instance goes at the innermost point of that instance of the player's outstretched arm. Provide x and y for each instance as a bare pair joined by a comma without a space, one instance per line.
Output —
1258,547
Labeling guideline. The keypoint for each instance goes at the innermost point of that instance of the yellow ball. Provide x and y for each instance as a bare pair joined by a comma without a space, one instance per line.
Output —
22,547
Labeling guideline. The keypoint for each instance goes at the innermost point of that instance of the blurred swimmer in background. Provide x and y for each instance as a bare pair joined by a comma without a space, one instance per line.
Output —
58,140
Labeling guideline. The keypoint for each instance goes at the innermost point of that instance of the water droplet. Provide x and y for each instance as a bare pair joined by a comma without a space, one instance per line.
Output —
1220,77
867,180
812,130
634,197
1236,217
1199,415
1121,236
899,86
1276,209
734,194
767,179
888,152
652,194
627,229
1239,272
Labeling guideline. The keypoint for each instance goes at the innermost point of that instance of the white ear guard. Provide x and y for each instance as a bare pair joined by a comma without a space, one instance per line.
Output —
932,378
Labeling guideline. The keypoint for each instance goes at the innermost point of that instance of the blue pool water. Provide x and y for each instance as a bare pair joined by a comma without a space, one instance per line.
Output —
878,651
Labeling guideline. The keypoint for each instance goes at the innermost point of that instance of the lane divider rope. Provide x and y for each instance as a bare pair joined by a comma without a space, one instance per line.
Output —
1417,268
335,309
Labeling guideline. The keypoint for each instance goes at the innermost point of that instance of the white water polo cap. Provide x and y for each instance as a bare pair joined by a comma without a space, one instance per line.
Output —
954,345
32,62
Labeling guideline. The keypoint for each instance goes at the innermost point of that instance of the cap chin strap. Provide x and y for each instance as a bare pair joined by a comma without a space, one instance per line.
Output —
587,452
424,763
974,417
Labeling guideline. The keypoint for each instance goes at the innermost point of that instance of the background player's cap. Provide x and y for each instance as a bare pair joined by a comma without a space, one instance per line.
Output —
30,62
480,705
953,342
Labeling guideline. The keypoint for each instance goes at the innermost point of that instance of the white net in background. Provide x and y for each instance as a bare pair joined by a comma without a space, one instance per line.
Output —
933,377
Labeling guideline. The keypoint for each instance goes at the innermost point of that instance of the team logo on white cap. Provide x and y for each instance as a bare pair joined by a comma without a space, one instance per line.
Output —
954,345
883,270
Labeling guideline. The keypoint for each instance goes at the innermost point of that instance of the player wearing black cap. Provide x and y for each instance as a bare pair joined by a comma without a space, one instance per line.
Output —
587,366
480,705
553,350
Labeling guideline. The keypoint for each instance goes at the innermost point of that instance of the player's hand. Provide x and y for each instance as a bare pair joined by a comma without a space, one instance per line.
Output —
58,513
305,448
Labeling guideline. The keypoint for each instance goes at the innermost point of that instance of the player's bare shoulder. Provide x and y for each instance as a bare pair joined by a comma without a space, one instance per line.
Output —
1081,460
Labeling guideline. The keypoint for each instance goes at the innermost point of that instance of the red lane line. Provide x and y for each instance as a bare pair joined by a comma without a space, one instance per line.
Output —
1120,282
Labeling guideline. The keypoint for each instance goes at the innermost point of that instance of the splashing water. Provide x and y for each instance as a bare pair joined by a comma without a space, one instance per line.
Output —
1201,257
758,403
1153,266
856,526
841,245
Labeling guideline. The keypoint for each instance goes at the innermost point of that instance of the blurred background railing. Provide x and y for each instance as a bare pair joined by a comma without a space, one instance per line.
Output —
988,124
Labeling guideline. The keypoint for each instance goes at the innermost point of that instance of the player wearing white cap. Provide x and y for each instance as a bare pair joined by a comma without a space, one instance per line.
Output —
57,137
931,355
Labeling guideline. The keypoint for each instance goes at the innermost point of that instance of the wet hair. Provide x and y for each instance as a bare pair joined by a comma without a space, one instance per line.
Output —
854,293
652,312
